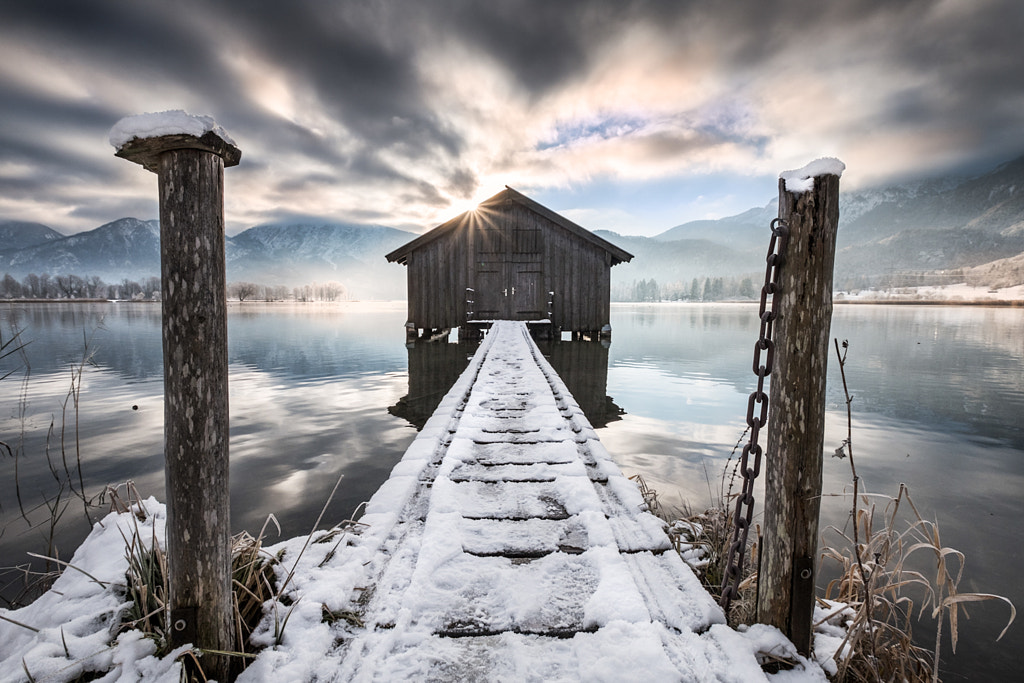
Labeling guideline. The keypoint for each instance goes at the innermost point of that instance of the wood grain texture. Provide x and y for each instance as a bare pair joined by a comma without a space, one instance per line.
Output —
796,424
191,187
512,252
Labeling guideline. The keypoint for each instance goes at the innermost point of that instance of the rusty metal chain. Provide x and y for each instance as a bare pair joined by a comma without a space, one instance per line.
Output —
757,403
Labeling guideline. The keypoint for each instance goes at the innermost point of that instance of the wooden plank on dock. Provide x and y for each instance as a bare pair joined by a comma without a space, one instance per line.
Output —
511,547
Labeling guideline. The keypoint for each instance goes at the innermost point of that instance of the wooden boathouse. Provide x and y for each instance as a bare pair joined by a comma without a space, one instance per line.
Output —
509,259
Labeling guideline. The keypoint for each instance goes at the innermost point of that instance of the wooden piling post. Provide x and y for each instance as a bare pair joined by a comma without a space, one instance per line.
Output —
194,300
809,204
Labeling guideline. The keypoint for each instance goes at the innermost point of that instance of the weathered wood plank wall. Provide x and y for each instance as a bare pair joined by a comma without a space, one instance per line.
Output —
512,252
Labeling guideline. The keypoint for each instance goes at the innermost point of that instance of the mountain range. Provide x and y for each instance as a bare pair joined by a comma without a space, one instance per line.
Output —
892,235
290,254
903,233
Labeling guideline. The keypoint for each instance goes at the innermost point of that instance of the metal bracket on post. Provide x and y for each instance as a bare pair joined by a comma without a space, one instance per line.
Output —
183,625
802,605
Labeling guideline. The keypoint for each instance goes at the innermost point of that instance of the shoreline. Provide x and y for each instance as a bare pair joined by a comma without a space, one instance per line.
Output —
998,303
838,300
1002,303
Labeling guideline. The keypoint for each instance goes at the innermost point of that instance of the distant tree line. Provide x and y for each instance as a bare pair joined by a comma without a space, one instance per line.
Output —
48,286
706,289
899,279
251,291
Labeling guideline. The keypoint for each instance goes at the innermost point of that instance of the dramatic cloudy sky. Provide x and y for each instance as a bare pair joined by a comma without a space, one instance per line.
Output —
628,115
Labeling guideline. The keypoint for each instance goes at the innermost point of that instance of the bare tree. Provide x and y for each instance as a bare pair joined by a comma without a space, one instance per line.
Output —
66,286
332,291
242,290
151,287
130,289
10,287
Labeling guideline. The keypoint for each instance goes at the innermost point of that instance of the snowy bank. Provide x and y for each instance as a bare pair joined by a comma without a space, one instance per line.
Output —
71,630
947,294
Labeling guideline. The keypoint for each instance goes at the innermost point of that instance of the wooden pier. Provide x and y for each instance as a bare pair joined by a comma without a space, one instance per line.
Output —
505,546
509,546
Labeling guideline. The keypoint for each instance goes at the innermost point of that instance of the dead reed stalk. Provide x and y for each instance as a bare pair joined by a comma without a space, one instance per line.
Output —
876,580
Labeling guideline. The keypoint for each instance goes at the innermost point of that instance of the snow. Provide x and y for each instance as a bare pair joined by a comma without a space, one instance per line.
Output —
77,618
802,179
954,294
832,618
157,124
540,555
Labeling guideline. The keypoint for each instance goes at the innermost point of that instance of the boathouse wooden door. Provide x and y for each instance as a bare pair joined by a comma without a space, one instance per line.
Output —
509,273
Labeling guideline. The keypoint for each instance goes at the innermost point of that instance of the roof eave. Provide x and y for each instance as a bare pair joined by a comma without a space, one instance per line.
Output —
619,255
401,254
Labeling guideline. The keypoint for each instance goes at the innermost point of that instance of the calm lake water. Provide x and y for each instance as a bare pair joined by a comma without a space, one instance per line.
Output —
319,391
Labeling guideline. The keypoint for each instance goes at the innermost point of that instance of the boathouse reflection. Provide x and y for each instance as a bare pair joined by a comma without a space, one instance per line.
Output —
434,367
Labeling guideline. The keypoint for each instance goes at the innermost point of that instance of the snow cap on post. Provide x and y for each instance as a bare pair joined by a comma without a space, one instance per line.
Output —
144,137
802,179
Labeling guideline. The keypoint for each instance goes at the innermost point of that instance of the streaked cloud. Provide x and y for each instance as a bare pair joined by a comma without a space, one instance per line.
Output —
403,113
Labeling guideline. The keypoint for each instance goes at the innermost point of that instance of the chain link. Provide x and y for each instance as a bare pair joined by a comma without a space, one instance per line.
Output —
757,415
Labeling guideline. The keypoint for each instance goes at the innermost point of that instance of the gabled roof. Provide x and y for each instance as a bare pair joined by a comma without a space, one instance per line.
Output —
401,254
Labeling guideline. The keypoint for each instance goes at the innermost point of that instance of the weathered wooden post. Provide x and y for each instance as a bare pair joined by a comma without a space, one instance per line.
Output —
809,205
189,155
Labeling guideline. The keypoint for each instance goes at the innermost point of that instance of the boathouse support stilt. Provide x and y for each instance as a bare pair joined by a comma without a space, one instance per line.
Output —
797,402
194,302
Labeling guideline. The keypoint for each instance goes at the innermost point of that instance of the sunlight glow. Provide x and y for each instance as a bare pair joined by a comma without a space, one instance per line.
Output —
470,204
266,85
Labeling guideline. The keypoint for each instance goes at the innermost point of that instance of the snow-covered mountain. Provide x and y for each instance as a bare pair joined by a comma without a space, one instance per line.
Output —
738,232
282,254
330,247
16,235
993,202
895,233
125,248
681,260
913,228
295,254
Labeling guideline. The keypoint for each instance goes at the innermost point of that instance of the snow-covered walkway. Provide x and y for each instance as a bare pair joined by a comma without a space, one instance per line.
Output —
521,552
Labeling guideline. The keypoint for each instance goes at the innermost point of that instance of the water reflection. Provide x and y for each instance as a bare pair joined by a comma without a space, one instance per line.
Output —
435,366
321,391
583,366
309,387
938,395
433,369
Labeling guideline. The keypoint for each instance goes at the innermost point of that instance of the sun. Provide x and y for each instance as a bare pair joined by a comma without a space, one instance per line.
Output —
472,203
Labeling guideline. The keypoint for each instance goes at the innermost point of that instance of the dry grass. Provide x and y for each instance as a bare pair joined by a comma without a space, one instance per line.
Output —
252,580
881,566
63,457
892,563
253,583
879,644
702,540
873,590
